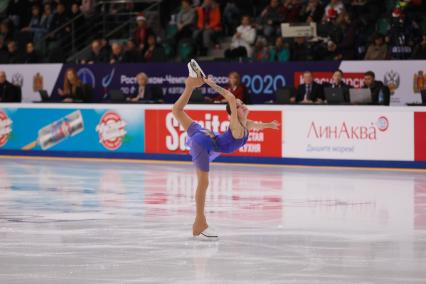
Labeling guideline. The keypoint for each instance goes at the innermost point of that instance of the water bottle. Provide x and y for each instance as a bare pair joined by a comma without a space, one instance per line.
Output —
381,97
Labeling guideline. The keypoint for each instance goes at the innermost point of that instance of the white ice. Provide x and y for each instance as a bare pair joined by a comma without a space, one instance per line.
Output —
109,222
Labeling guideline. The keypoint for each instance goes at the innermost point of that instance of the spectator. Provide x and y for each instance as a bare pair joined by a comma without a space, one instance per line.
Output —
420,49
31,55
185,21
235,87
5,31
142,31
242,41
153,52
312,12
291,11
58,20
46,18
336,5
280,52
331,53
260,52
8,92
231,16
337,82
74,90
349,28
13,55
117,54
96,55
400,36
330,27
35,24
131,54
142,92
208,25
378,49
271,18
380,94
309,91
300,50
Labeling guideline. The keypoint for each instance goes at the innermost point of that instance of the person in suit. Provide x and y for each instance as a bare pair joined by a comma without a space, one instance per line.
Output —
144,92
309,91
380,94
337,82
9,93
74,90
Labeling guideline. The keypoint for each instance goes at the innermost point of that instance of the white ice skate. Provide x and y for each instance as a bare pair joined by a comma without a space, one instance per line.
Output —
195,70
207,235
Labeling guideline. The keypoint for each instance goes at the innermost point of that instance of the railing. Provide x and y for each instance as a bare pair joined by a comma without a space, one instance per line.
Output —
112,19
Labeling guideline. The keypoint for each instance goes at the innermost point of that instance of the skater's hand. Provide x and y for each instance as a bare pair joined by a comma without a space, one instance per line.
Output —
193,83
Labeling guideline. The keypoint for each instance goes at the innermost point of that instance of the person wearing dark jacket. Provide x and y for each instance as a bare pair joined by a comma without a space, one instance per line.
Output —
31,55
308,92
74,90
8,92
337,82
380,94
144,92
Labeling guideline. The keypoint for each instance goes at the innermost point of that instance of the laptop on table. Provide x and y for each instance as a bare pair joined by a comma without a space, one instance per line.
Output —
360,96
334,96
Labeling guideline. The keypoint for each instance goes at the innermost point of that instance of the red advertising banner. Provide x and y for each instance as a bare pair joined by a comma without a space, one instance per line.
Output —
419,136
164,135
353,79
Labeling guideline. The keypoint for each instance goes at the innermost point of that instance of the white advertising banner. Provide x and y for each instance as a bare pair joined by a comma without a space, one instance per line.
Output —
31,77
405,79
348,134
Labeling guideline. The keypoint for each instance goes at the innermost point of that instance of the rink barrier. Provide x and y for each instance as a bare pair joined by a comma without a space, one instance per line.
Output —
335,136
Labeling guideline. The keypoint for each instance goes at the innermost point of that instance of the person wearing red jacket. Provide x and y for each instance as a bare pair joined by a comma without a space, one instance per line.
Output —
208,24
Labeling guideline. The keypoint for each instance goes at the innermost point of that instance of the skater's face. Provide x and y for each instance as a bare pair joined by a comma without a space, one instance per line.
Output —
242,110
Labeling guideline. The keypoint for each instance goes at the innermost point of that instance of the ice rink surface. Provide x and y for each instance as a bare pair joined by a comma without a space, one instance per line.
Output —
65,221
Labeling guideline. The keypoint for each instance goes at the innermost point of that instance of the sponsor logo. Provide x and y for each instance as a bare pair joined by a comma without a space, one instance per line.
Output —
391,79
112,130
18,79
86,76
106,81
353,79
5,128
419,80
344,130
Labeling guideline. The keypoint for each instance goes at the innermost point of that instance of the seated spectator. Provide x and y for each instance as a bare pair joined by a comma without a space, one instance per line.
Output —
34,25
312,11
378,49
208,25
231,16
131,54
96,55
331,53
153,51
336,5
185,21
242,41
235,87
260,52
46,19
280,52
74,90
58,20
142,31
271,18
13,55
380,94
8,92
349,28
330,28
31,55
420,49
299,50
337,82
400,36
308,92
5,31
117,54
291,11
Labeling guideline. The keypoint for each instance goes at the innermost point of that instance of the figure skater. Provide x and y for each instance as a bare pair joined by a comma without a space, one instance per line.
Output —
205,145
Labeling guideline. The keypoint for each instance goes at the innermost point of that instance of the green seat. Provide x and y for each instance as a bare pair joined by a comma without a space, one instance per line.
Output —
185,50
171,31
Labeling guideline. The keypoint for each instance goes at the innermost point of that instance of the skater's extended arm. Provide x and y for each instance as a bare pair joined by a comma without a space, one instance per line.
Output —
229,97
262,125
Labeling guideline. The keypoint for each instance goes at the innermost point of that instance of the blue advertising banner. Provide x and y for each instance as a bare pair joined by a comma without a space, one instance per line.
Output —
261,79
74,130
